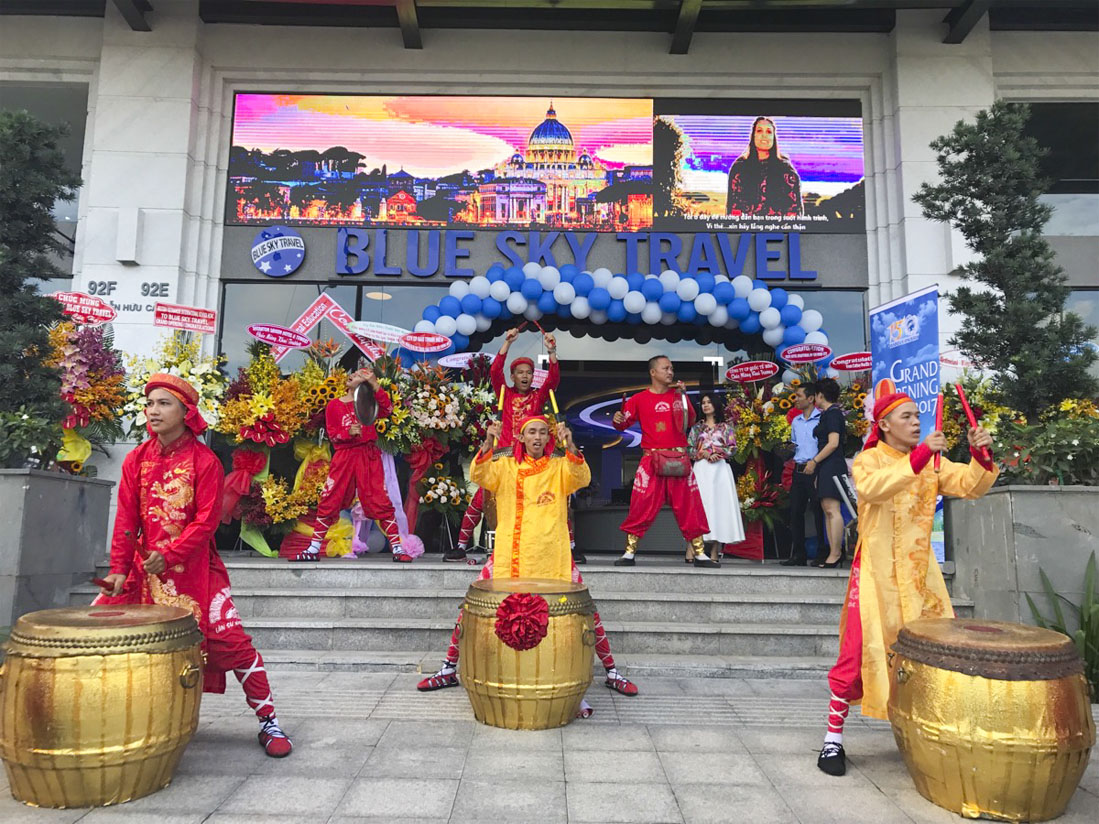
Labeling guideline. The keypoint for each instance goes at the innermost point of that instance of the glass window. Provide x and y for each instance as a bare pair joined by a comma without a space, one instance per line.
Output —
1085,303
398,305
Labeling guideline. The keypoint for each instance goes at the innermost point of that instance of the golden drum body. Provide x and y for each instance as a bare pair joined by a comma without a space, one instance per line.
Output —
98,703
993,718
532,689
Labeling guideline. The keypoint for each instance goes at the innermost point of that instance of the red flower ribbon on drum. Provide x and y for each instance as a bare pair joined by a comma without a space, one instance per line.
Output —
522,620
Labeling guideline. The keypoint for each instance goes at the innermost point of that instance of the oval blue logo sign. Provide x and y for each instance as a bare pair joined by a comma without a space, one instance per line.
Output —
278,251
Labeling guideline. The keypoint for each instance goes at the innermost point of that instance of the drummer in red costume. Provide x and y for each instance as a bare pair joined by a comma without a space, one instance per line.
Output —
660,410
518,403
162,550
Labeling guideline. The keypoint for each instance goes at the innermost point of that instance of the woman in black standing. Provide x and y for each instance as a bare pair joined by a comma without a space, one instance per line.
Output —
828,464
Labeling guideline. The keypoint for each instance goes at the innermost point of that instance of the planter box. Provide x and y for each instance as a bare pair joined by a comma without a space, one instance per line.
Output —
999,542
54,530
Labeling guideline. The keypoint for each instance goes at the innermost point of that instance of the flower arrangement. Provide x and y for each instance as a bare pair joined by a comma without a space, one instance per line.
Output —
522,620
760,498
444,494
261,405
853,403
178,354
92,378
991,414
758,420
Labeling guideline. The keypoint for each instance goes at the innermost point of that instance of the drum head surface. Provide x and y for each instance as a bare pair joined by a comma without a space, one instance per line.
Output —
366,406
541,586
102,617
106,629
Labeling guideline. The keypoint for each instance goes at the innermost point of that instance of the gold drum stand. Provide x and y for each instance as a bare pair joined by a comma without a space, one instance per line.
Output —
992,718
533,689
98,703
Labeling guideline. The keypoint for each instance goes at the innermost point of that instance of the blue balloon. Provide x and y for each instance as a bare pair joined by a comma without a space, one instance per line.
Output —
760,284
793,335
546,303
739,308
750,325
687,312
779,297
471,304
505,313
705,282
824,364
652,289
583,283
569,272
669,302
450,305
616,312
599,298
495,272
564,311
431,313
724,292
490,308
531,289
700,320
514,277
790,315
636,280
633,318
461,342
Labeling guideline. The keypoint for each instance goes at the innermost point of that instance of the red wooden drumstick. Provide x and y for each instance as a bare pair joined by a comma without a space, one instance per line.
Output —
971,418
939,428
100,582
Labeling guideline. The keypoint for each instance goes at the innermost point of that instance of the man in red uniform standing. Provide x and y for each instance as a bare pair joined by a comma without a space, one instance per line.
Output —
520,401
356,468
664,474
162,550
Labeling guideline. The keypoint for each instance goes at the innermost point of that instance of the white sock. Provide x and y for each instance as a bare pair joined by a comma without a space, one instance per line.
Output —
612,673
833,738
447,668
627,554
314,547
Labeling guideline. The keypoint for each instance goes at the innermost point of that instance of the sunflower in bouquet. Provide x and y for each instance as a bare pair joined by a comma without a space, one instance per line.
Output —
444,494
261,405
320,379
758,420
853,403
397,433
177,354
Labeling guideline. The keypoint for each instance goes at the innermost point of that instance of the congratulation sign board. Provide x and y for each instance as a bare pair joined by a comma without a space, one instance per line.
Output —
85,309
188,318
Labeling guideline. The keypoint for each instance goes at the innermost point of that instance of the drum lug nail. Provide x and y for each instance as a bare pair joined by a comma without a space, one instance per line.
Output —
902,675
189,675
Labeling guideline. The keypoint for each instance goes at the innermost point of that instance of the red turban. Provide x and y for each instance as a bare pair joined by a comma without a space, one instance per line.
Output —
515,364
886,399
518,451
184,393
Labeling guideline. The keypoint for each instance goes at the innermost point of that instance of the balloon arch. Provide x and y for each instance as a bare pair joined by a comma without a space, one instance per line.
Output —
715,303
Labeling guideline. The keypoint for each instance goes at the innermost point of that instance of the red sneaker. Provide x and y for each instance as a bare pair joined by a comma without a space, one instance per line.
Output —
622,685
401,558
273,739
438,681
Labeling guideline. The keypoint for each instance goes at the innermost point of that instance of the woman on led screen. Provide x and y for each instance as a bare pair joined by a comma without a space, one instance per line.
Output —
762,181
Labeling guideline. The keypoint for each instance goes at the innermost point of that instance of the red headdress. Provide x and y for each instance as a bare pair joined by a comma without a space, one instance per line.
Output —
518,451
184,393
886,399
515,364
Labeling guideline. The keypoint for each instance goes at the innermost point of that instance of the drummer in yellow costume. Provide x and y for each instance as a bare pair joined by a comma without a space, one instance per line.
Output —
894,576
532,490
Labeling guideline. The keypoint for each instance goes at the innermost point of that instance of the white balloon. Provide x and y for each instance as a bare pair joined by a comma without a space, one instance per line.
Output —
721,279
532,269
634,302
789,376
668,318
651,313
499,290
742,286
483,323
580,307
517,304
669,280
549,277
564,293
532,312
459,289
618,287
811,320
795,300
465,324
424,326
770,318
602,276
773,337
446,325
598,317
759,299
817,337
719,317
706,304
833,373
480,286
687,289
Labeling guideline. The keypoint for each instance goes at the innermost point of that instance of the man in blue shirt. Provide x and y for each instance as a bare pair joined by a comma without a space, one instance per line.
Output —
803,495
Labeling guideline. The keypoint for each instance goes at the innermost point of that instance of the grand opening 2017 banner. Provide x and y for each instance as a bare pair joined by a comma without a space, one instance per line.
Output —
904,340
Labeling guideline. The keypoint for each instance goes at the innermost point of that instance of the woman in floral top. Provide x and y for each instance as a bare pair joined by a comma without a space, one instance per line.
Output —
711,444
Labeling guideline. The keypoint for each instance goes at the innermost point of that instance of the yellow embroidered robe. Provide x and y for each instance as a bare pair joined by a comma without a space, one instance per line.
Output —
532,534
900,579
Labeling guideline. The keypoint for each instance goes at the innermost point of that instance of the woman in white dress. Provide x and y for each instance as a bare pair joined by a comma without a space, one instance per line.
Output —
711,444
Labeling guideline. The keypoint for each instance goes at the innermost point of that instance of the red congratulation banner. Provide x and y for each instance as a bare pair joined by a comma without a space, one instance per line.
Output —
853,362
424,342
279,336
85,309
188,318
323,308
805,353
751,371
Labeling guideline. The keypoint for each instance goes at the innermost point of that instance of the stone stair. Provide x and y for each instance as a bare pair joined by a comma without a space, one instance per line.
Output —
663,617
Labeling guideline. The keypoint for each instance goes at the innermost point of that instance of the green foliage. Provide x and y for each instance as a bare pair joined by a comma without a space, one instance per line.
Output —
1064,451
1084,630
1014,323
27,440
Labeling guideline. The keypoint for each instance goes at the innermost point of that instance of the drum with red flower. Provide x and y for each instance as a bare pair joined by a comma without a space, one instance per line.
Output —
526,647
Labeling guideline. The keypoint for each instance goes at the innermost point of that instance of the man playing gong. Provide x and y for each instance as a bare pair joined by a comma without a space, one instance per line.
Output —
894,575
532,488
162,549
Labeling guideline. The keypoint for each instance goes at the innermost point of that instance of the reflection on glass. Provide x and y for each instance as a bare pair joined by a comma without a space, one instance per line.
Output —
1074,215
398,305
1085,303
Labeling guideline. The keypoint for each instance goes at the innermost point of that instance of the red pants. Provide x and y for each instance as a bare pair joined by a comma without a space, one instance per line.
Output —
357,471
602,645
651,492
845,677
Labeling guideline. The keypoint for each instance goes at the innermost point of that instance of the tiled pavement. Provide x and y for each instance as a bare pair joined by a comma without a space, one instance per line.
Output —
369,748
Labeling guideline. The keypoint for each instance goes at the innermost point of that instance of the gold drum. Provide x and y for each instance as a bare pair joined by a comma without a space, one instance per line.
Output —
533,689
490,511
98,703
992,718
